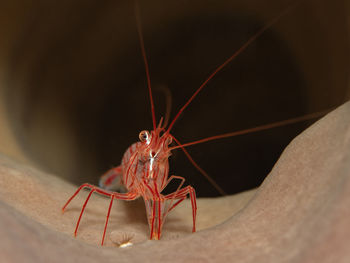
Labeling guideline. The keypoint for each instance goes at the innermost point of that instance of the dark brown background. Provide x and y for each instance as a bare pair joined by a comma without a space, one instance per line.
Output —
75,93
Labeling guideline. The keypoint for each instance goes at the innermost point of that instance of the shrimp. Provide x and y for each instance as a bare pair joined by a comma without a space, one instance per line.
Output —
144,169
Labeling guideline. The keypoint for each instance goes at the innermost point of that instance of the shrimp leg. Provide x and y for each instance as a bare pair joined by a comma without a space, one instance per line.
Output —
156,221
181,194
126,196
177,190
107,218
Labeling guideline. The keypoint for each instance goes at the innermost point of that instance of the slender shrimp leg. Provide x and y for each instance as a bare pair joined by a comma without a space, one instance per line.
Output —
182,194
156,217
156,208
107,218
177,190
126,196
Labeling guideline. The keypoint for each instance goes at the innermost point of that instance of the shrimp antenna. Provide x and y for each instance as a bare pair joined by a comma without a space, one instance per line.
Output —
139,31
255,129
239,51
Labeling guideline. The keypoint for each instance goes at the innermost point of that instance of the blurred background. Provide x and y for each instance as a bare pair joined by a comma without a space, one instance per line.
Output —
73,92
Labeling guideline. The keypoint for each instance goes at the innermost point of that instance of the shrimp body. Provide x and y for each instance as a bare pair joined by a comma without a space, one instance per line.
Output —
145,165
144,172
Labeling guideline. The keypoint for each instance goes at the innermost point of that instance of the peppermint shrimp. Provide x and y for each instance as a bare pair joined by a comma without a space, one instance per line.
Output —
144,169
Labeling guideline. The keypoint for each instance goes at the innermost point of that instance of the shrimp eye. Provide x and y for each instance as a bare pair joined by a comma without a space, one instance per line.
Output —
144,136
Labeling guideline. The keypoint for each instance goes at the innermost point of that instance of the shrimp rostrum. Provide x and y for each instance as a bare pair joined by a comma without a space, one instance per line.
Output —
144,170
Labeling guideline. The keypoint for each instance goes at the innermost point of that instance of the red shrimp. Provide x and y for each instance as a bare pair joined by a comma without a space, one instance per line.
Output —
144,169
